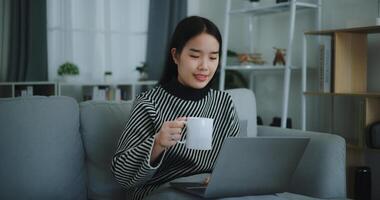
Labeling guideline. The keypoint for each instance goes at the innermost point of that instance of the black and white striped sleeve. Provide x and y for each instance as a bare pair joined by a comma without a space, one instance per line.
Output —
131,163
234,126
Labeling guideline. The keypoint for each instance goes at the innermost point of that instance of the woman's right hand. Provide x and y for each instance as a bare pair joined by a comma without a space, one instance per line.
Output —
170,132
169,135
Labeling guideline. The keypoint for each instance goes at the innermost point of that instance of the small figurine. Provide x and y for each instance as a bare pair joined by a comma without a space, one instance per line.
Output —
279,57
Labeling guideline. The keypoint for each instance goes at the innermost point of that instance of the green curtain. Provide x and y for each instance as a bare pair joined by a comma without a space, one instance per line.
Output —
4,37
27,50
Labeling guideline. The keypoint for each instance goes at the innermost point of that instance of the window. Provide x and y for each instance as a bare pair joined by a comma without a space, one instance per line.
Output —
98,36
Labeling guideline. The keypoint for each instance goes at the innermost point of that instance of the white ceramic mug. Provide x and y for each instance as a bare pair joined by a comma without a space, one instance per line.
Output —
199,133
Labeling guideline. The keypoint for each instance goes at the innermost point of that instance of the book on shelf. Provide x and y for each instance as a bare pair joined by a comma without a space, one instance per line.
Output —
125,95
118,94
362,124
98,93
325,64
27,92
24,93
106,93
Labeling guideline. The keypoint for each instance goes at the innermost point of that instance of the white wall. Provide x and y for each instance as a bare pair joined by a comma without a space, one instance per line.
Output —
272,31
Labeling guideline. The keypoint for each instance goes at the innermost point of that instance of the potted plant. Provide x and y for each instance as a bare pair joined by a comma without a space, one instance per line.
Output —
142,70
68,71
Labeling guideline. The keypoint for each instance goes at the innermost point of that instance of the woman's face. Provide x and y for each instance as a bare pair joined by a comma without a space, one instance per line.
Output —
198,61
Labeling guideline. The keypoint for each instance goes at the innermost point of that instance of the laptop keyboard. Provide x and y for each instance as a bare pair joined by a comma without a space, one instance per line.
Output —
194,187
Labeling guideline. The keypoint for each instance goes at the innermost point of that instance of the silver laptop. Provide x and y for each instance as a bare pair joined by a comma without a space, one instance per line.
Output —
251,166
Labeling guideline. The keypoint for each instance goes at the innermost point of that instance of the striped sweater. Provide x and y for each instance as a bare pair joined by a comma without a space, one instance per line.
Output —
131,162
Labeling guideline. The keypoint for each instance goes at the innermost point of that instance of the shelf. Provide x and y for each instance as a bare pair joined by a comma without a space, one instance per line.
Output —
277,8
15,89
361,148
364,30
357,94
78,90
6,91
109,84
350,108
83,91
289,8
354,147
257,67
27,83
146,83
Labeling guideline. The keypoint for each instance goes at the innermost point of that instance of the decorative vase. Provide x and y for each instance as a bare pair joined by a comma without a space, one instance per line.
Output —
143,76
68,78
255,4
252,3
108,77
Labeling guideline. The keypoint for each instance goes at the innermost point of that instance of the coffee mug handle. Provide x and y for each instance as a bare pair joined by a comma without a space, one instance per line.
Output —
181,142
184,141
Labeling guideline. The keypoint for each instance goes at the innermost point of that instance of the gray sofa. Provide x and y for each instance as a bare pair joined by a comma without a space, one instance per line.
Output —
55,148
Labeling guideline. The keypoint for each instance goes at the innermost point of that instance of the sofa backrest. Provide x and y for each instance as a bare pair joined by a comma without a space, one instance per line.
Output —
41,151
245,105
321,171
42,154
102,123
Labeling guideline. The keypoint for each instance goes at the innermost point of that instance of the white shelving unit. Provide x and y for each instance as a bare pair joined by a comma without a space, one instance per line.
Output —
292,6
15,89
79,90
256,68
84,90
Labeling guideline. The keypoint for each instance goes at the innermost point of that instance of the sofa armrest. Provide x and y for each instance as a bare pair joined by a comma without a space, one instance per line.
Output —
322,170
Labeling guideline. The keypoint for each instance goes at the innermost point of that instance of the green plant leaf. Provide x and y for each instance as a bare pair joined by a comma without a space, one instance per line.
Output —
68,68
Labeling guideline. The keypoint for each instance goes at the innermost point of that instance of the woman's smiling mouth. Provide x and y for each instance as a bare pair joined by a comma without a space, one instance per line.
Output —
201,77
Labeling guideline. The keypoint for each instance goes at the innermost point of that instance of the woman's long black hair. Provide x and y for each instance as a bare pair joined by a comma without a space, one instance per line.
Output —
187,29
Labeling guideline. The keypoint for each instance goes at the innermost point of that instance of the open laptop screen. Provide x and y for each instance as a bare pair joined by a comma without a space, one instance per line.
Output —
253,166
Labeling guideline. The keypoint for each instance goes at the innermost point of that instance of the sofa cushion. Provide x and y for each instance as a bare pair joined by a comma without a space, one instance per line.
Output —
41,150
102,123
322,167
245,105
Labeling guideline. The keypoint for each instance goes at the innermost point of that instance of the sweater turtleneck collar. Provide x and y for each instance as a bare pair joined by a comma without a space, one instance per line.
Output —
176,88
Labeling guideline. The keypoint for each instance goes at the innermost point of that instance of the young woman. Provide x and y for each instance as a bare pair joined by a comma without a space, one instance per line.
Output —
148,153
